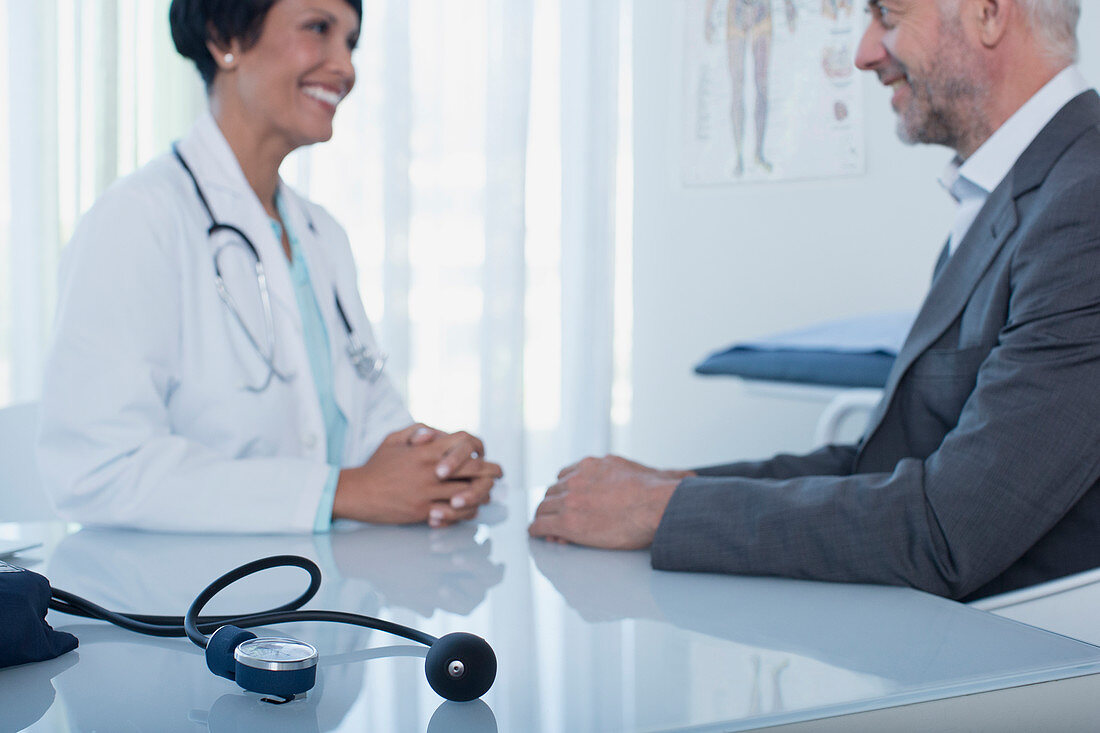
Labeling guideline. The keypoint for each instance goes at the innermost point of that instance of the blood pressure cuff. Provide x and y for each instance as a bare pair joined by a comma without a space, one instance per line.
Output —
24,634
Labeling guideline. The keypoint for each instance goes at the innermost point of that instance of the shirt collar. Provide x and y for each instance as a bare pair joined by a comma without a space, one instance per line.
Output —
991,162
949,178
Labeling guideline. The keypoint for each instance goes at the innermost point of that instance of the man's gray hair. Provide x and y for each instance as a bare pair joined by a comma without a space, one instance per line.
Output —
1055,24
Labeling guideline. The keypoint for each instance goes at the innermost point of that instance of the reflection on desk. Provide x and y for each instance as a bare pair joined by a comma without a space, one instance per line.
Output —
587,640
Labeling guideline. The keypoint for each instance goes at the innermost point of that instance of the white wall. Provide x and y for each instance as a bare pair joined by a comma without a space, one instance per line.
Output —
715,265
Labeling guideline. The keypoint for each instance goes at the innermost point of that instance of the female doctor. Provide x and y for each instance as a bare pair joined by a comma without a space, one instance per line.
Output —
213,368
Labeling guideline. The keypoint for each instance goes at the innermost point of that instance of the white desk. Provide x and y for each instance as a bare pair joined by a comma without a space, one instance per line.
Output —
586,641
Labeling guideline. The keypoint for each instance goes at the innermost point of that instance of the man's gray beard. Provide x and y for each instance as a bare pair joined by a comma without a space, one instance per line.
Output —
946,126
934,129
950,108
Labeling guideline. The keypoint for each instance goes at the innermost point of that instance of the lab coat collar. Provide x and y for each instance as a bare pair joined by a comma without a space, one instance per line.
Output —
298,218
218,171
321,275
213,161
233,201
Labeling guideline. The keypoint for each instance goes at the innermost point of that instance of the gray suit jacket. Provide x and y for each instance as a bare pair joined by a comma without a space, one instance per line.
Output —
979,471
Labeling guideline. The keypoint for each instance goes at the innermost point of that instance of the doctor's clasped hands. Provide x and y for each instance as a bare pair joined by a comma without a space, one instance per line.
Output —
418,474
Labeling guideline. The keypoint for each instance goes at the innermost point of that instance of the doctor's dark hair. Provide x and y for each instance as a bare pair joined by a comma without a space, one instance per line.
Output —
194,22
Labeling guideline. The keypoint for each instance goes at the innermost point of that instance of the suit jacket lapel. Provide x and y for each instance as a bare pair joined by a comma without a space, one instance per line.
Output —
955,281
941,261
953,284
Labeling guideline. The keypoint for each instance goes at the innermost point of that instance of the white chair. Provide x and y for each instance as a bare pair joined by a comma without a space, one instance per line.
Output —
845,410
851,405
1067,606
21,496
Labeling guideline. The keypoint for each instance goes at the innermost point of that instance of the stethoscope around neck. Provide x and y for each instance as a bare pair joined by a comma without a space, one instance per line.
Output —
368,363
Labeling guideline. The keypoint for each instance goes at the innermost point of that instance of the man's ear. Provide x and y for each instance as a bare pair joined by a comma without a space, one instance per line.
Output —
990,19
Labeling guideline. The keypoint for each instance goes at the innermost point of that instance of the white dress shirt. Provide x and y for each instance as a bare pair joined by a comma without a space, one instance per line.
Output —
971,181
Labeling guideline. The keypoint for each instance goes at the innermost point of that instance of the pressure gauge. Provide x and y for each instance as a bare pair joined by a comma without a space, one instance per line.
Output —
275,654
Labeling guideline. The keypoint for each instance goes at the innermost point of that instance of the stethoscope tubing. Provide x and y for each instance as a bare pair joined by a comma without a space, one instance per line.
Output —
366,365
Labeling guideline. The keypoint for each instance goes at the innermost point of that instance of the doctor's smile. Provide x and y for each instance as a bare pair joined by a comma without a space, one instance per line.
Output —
325,95
291,79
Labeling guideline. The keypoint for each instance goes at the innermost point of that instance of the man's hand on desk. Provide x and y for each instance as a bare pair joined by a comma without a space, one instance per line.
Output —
608,502
418,474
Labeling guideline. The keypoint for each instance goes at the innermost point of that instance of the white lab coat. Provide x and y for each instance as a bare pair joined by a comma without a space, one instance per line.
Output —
145,421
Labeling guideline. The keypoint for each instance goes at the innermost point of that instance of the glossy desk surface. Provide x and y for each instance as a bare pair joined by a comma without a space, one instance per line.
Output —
586,640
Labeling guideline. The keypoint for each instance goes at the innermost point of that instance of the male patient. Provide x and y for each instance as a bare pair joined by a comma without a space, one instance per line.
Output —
979,470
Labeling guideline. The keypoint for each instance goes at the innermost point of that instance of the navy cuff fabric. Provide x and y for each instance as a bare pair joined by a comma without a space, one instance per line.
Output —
24,634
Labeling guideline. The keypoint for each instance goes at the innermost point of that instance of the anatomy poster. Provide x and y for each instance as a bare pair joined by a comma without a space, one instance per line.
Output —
770,90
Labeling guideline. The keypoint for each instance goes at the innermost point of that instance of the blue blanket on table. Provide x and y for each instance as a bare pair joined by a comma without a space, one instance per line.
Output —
854,352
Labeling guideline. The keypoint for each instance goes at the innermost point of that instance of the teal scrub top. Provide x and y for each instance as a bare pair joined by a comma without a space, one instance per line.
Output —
320,363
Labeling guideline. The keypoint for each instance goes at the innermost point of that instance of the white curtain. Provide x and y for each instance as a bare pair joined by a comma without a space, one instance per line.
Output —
90,90
478,167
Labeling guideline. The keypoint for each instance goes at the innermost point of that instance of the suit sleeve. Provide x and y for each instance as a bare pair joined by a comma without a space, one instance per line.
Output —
829,460
1021,454
107,448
